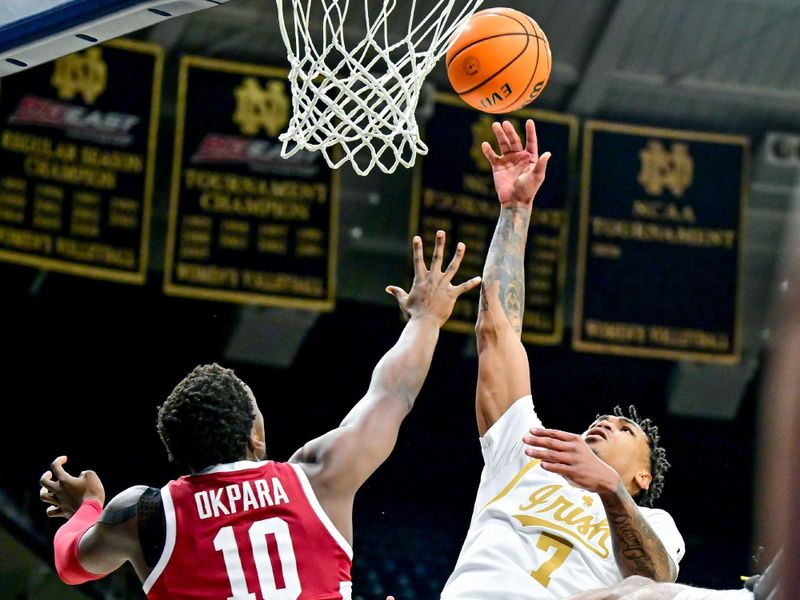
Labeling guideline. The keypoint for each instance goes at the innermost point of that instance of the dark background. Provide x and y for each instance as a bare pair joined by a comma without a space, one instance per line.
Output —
87,363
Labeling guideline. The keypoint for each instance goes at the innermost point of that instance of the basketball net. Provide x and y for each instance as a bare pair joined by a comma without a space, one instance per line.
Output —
358,99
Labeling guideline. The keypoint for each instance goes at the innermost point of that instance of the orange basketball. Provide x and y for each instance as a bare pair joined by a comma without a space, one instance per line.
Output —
500,62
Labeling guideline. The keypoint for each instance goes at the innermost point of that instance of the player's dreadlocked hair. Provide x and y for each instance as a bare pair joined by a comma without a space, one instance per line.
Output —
207,419
658,456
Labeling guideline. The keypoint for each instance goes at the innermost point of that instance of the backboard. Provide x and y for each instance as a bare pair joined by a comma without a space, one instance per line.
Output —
36,31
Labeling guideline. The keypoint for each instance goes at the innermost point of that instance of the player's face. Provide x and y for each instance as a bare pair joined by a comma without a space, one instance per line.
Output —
622,444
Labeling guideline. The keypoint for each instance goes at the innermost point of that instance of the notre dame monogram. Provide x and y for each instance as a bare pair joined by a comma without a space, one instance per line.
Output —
673,170
482,132
83,73
257,107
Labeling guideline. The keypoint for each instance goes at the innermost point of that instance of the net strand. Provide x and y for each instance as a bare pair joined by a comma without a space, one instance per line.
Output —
359,100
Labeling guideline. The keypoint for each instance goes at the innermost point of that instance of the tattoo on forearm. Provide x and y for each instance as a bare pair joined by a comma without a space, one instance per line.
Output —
505,264
636,546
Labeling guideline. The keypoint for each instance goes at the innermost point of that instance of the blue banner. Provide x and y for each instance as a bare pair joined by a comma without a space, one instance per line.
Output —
246,225
77,152
658,271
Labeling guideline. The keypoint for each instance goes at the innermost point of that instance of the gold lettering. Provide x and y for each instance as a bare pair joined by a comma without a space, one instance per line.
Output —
96,253
127,162
73,174
540,496
663,211
26,143
603,250
264,207
641,231
209,275
28,241
616,332
283,283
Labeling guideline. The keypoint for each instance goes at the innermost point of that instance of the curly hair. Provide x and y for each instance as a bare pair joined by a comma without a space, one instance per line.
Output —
207,419
658,456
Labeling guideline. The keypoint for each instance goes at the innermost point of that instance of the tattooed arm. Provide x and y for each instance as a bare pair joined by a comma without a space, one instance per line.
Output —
637,548
503,374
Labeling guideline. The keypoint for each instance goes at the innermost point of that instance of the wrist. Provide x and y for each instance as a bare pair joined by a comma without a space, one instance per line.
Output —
426,318
611,487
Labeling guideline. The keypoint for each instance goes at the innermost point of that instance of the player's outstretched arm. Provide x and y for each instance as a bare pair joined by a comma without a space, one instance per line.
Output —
94,541
503,372
343,459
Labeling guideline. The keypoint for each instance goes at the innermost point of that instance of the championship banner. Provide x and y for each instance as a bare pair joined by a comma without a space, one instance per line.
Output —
246,225
661,226
454,191
77,151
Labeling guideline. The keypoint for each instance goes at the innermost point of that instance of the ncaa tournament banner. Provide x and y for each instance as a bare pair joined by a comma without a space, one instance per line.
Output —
77,150
454,191
246,225
661,226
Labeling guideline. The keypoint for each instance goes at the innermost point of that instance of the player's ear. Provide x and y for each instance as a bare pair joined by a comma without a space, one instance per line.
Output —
643,478
257,445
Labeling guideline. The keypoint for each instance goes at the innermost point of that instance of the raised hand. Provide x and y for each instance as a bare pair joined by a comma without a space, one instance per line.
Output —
519,171
432,293
66,493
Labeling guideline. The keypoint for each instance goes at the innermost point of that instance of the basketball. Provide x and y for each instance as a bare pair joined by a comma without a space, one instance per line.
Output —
500,61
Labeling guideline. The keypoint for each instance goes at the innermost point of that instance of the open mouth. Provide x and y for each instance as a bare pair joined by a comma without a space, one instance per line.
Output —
597,432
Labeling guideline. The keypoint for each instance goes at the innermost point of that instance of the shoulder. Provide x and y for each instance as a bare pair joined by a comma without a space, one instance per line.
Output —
662,523
656,513
122,507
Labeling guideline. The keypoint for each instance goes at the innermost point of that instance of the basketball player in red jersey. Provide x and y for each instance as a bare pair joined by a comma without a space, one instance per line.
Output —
239,527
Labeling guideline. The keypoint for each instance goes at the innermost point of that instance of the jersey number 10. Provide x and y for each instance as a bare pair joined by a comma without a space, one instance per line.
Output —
273,571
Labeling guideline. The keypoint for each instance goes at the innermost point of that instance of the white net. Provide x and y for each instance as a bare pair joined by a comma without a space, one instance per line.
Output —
355,101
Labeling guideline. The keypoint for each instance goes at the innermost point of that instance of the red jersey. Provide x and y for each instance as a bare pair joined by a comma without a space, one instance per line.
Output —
249,531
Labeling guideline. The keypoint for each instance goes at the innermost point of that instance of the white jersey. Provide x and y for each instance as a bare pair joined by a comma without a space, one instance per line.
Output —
532,534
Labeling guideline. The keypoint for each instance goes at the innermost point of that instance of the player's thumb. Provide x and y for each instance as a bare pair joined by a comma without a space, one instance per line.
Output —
398,293
541,165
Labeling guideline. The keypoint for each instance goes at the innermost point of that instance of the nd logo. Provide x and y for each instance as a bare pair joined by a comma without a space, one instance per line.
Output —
83,74
258,107
660,169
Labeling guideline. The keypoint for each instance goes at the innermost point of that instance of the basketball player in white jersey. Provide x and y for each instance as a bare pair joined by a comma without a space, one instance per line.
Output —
554,516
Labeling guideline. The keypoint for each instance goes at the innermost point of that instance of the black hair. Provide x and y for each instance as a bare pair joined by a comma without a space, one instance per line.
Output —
658,456
207,419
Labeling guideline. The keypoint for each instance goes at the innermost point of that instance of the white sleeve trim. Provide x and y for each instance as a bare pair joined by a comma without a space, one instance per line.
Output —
169,542
321,514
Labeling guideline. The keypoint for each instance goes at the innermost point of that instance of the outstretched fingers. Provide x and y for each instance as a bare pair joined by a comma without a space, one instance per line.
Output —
489,153
502,138
455,263
532,143
57,470
438,252
468,285
541,166
420,270
515,144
